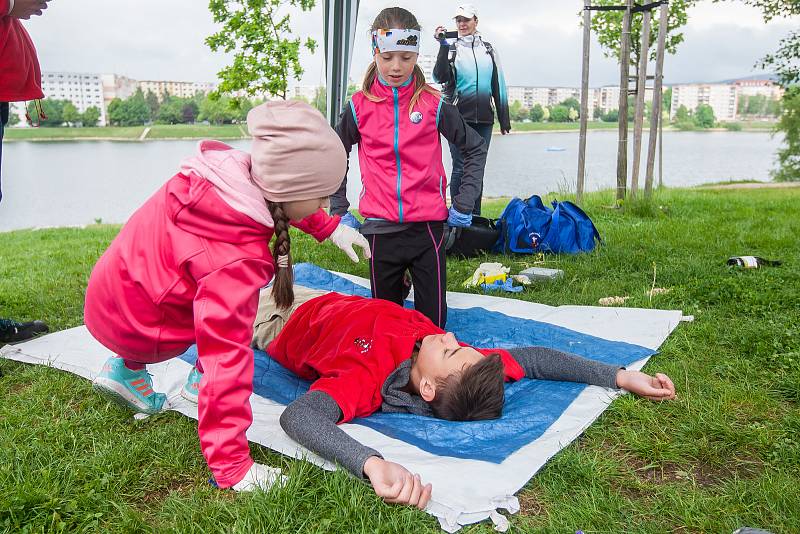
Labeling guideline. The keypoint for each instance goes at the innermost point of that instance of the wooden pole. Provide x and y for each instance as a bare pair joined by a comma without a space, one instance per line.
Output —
587,28
660,151
656,120
624,64
641,87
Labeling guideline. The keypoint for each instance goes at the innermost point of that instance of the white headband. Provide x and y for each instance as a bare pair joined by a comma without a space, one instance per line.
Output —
395,40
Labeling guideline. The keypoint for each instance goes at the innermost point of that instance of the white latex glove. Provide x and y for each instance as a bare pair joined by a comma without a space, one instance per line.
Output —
345,237
260,477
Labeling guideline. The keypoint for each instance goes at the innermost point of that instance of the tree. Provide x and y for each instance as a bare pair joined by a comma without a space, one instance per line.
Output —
321,100
546,116
608,27
789,153
52,108
258,33
91,116
537,113
704,116
573,114
13,117
189,111
170,111
785,62
682,114
152,102
517,112
132,111
572,103
70,114
217,110
611,116
666,101
138,112
559,114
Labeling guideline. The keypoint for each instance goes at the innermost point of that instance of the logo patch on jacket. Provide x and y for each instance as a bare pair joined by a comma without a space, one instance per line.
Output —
363,344
416,117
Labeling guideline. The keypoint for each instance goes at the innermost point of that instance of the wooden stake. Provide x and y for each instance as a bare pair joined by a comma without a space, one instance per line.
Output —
641,87
624,69
656,120
587,23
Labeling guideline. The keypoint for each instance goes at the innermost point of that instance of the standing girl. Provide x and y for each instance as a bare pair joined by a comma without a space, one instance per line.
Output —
188,265
396,120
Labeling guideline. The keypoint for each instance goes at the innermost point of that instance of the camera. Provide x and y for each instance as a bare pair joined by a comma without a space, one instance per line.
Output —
446,35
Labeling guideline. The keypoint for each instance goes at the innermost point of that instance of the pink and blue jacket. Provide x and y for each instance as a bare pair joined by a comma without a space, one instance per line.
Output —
187,268
400,155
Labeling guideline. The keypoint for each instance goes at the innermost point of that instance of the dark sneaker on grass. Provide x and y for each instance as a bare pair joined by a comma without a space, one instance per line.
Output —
16,332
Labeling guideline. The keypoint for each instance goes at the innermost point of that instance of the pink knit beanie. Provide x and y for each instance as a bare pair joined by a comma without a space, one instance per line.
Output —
296,155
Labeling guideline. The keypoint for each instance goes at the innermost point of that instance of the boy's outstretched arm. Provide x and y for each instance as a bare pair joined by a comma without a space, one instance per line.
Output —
550,364
311,421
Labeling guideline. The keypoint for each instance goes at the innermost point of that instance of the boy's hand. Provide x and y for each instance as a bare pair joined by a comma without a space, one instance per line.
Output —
655,388
395,484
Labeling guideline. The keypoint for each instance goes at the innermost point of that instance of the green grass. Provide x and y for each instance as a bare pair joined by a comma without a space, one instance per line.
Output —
192,131
725,454
51,134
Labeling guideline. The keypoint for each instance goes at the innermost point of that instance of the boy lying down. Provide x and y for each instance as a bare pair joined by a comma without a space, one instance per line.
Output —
366,355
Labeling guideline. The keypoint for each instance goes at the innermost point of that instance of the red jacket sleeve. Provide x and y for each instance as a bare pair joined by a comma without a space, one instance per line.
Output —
224,312
320,225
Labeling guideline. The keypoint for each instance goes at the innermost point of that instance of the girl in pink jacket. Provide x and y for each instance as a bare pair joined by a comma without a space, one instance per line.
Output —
396,120
188,265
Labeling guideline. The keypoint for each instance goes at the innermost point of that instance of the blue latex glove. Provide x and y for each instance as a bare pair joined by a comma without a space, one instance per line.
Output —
349,220
498,285
458,219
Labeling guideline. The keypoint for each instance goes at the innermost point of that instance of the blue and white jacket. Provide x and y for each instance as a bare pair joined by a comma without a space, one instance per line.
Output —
472,79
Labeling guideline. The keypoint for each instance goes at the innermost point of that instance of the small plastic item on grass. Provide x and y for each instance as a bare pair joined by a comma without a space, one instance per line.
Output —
752,262
487,273
612,301
541,273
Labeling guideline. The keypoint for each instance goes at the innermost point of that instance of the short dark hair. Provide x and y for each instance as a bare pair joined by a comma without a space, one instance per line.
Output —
475,394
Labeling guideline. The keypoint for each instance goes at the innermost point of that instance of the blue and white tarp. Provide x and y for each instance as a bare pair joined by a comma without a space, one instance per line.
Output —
475,468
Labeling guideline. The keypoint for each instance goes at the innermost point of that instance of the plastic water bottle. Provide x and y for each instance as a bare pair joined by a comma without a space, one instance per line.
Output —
751,262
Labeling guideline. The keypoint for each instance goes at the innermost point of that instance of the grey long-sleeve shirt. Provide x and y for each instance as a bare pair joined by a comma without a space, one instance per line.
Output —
311,419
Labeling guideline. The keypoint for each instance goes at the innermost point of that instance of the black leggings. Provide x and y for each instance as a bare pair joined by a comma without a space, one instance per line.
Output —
420,249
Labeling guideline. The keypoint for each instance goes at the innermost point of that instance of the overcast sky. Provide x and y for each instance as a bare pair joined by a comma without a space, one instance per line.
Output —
539,40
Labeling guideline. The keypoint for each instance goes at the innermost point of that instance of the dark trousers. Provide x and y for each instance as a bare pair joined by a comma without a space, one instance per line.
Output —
420,249
485,131
3,122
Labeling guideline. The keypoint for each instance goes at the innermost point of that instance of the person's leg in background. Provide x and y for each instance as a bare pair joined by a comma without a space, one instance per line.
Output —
457,172
388,265
14,331
485,131
429,273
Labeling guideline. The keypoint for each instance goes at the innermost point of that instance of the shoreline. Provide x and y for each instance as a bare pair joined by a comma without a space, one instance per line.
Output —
10,139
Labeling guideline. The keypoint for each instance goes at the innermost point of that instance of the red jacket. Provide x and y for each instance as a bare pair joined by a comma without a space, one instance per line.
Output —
186,268
350,345
20,77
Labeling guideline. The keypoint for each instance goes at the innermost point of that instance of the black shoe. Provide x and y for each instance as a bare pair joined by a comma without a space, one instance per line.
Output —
16,332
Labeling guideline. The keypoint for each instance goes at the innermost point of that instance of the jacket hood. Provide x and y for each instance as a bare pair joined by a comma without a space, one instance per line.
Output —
228,170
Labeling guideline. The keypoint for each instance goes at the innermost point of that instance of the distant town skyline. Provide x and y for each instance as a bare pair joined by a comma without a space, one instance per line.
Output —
539,41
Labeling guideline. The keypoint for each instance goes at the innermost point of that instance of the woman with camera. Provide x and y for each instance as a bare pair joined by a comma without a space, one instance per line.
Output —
469,70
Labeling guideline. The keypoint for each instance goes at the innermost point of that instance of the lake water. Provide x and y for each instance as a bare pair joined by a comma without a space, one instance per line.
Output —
81,182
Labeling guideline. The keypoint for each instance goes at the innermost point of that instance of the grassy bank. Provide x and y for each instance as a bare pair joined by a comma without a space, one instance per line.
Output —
725,454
